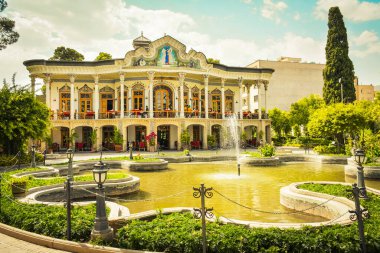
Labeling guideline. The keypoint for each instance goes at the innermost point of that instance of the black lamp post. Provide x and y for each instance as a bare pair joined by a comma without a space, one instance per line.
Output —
130,151
359,159
101,229
33,165
68,186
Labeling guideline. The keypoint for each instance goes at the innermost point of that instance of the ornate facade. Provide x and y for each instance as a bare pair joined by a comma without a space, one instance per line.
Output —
157,87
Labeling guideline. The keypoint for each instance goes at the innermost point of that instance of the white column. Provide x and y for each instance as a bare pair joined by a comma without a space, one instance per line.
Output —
151,80
115,107
72,93
240,81
223,99
250,97
259,97
176,101
122,95
96,97
47,85
206,96
129,99
265,90
33,84
190,97
200,103
181,81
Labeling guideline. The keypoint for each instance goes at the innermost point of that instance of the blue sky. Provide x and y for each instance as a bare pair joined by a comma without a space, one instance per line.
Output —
237,32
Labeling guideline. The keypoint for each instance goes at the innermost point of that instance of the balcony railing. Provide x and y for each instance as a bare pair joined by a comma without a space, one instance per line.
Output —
65,115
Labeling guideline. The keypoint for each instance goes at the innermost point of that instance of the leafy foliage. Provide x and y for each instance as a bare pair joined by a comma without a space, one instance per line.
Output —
66,54
7,34
211,60
280,121
44,219
185,138
117,137
22,118
335,121
301,110
103,56
267,150
339,69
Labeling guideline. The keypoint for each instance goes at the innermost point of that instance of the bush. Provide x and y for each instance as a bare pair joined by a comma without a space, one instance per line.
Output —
44,219
267,150
10,160
325,149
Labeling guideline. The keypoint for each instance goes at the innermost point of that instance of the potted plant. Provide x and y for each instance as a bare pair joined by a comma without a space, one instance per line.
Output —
18,186
49,144
151,140
93,139
211,141
117,140
185,139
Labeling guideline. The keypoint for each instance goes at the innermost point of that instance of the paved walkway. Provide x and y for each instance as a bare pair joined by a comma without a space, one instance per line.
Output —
12,245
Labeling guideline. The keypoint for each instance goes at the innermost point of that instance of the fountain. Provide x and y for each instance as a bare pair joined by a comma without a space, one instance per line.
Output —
234,131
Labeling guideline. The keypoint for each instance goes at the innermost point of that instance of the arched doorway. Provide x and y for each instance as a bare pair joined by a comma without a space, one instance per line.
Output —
136,134
196,136
167,137
251,135
107,137
83,141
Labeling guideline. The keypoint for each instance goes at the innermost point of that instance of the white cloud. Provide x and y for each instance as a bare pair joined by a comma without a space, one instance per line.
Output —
351,9
367,43
271,9
112,27
297,16
247,1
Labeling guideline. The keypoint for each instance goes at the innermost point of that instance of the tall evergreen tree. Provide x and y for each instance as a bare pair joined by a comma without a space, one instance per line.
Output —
338,74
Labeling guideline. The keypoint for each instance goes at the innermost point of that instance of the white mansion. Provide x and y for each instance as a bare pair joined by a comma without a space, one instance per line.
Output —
158,87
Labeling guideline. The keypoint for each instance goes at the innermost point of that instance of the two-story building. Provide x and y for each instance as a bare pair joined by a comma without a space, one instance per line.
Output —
157,87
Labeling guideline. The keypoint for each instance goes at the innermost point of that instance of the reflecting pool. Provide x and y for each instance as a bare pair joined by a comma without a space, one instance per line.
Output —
257,188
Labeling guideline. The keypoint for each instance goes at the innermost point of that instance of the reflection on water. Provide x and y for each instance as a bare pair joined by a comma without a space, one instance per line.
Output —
257,187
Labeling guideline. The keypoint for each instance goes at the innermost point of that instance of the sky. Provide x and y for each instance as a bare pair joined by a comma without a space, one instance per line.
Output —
237,32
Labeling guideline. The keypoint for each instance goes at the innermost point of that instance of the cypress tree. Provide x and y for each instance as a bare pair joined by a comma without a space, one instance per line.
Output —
338,73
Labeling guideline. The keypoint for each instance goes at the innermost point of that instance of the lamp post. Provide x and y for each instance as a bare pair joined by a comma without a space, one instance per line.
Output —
68,186
130,151
101,229
359,159
33,165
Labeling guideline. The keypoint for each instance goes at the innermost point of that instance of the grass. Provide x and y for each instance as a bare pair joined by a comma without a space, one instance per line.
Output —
253,154
335,155
372,164
36,182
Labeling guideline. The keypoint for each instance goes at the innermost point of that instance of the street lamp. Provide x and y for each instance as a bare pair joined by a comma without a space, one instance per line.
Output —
69,180
101,229
33,165
359,159
130,151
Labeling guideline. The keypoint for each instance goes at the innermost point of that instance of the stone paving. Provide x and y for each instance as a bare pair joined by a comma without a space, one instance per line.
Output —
13,245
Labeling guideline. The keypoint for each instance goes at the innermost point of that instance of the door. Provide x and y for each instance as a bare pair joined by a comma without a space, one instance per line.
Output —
163,137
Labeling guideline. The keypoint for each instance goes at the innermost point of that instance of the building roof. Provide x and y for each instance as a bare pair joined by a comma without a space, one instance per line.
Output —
142,38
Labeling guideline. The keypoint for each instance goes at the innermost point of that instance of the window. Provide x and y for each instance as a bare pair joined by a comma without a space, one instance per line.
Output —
106,102
216,103
64,101
138,100
195,101
229,103
85,102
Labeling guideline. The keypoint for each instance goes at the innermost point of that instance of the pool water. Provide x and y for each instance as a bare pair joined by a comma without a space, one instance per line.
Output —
257,188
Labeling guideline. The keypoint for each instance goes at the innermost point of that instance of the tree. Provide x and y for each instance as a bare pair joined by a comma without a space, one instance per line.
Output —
22,118
103,56
280,121
338,74
7,35
211,60
66,54
301,110
337,121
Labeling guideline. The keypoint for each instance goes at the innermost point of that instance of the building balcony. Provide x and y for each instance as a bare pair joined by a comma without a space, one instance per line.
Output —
134,114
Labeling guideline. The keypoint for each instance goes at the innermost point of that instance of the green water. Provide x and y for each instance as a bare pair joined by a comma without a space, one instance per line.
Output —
257,187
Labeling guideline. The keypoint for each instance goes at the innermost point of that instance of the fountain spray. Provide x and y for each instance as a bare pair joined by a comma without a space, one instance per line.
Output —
234,131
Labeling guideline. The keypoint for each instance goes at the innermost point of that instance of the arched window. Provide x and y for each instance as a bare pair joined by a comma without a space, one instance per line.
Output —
64,98
163,98
85,99
138,97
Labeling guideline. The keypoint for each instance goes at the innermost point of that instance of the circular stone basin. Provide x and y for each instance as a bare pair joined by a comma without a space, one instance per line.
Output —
263,161
148,166
370,172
